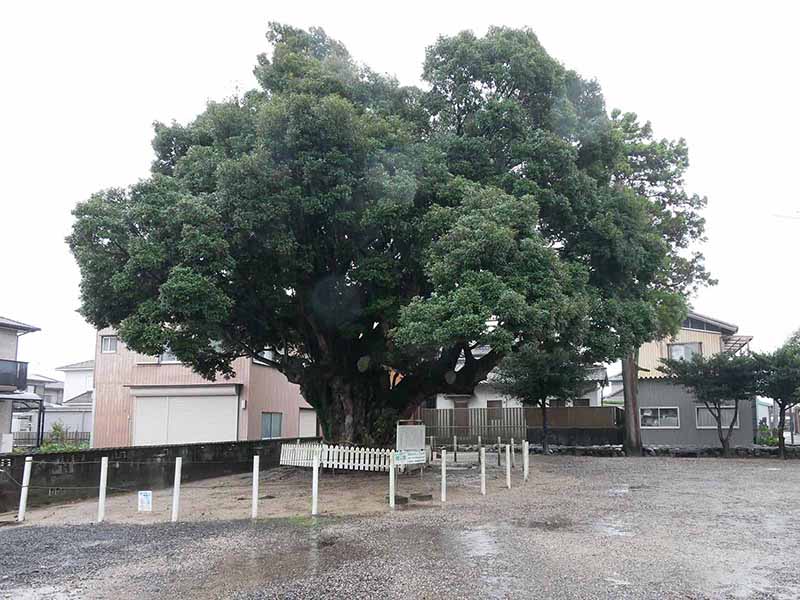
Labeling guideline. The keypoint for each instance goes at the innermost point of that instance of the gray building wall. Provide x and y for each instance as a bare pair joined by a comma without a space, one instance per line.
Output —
8,344
654,393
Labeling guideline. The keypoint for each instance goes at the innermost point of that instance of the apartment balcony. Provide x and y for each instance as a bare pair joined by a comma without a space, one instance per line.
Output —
13,375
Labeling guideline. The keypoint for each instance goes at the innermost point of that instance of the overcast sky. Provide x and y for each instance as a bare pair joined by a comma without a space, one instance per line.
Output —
83,82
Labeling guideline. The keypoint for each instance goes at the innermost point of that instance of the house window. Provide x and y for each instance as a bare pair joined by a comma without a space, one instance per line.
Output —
660,417
580,402
684,351
705,420
271,425
108,344
168,356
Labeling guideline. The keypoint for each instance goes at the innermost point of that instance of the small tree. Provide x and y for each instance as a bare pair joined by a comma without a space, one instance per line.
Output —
720,383
780,380
537,373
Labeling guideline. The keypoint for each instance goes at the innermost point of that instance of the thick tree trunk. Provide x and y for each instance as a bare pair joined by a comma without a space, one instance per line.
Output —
781,426
352,411
545,445
630,382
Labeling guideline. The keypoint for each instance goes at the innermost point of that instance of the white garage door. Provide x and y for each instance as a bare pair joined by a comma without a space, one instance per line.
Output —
308,422
184,419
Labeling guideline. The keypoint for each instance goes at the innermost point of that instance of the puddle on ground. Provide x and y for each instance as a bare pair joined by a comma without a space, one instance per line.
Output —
612,527
479,543
555,524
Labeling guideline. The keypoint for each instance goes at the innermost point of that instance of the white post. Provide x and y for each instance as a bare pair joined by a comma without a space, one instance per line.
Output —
256,469
508,466
483,471
525,460
444,475
391,480
176,489
26,481
479,444
513,455
315,485
101,502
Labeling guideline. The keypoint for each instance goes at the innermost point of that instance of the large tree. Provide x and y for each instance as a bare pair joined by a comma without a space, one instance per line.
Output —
780,380
370,236
612,197
720,383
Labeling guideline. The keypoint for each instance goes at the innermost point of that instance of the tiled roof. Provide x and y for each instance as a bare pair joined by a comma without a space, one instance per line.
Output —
18,325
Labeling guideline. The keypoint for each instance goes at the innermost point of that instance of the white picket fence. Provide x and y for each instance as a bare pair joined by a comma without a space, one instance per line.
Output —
299,455
338,457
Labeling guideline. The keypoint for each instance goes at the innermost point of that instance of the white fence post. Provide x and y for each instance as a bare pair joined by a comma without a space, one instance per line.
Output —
483,471
256,470
26,481
513,455
176,489
391,480
508,466
444,475
101,500
315,485
526,461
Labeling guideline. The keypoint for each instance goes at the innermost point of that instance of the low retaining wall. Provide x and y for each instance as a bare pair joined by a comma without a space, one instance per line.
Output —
64,476
674,452
583,436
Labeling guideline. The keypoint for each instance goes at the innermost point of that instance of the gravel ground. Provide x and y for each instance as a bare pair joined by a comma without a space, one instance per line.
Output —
580,528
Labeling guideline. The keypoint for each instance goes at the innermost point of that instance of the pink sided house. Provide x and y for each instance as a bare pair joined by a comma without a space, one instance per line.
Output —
147,400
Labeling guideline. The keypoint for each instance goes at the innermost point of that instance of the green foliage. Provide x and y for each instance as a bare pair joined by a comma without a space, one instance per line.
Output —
780,379
360,229
767,437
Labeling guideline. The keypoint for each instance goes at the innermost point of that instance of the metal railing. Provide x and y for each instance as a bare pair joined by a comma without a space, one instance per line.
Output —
27,439
13,375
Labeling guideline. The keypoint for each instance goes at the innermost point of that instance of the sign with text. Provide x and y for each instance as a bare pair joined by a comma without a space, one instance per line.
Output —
146,501
409,457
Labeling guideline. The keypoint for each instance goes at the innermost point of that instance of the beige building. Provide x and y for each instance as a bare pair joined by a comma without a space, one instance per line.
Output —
146,400
670,414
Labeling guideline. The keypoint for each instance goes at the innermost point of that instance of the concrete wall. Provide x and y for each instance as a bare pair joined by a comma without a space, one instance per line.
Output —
5,416
142,468
662,393
8,344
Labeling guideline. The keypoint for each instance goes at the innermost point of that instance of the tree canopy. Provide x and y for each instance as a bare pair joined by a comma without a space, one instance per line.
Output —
371,235
780,380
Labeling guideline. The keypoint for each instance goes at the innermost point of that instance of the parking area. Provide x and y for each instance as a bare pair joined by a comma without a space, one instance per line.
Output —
581,527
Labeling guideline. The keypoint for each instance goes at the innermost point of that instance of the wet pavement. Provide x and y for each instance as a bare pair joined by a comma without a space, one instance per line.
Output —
580,528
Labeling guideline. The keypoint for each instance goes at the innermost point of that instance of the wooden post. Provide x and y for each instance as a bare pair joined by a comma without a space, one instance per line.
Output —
499,452
23,496
391,479
525,460
444,475
176,489
256,470
508,466
101,499
513,455
455,449
315,485
482,457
